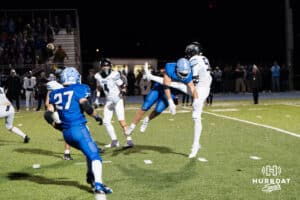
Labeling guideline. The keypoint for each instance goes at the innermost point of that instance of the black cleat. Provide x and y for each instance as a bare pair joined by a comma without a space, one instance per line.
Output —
67,156
26,139
90,179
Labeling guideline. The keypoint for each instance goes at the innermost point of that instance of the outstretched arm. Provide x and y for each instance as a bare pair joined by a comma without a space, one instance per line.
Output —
177,85
84,103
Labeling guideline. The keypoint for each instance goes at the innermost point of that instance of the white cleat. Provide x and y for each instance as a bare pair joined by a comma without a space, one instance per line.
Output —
194,151
144,124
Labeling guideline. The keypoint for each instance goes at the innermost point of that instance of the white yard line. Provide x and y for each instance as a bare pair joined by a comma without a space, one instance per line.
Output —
255,124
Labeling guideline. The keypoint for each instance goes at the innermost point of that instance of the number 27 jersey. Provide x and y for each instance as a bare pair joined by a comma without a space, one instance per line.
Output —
66,101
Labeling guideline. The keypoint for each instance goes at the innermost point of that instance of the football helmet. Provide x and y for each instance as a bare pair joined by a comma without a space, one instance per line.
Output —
69,76
183,68
105,67
193,49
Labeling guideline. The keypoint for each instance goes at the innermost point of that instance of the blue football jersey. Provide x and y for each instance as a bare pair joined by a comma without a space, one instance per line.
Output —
66,101
170,69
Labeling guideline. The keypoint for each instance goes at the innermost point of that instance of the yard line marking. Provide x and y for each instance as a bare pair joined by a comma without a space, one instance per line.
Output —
255,157
226,110
255,124
291,104
148,162
201,159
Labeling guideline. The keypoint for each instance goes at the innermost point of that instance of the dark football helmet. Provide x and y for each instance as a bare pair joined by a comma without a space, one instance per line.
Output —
193,49
105,67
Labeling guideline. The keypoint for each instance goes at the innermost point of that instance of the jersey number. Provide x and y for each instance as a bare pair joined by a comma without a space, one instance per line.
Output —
106,88
59,99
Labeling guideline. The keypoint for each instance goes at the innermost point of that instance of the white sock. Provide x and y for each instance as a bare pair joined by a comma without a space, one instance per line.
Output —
18,132
97,170
67,151
146,119
128,138
132,126
111,131
197,132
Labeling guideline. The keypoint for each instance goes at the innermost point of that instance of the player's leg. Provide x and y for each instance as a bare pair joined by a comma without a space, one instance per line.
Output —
67,152
81,138
9,113
119,109
108,114
197,117
161,105
150,100
27,98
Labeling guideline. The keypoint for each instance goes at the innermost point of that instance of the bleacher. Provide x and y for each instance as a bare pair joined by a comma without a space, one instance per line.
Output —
25,34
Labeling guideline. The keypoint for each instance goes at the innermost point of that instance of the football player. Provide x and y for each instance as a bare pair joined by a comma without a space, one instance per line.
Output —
7,111
53,85
113,86
155,95
70,103
200,88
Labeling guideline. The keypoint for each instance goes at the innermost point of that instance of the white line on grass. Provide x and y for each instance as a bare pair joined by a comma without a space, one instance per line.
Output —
255,124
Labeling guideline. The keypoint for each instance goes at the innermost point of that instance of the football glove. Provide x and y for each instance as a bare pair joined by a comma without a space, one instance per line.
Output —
99,119
172,107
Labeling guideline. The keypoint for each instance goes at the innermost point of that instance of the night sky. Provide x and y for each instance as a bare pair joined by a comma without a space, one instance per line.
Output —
229,31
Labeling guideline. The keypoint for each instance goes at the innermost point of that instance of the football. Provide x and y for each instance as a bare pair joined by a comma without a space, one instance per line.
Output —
50,46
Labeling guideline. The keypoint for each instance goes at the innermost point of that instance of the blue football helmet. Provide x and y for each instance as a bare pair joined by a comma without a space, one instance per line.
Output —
69,76
183,68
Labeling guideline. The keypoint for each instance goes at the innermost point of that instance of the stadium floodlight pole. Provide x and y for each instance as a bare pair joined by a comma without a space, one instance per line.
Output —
289,41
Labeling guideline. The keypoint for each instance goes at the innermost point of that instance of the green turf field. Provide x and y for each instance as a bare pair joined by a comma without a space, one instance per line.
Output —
233,131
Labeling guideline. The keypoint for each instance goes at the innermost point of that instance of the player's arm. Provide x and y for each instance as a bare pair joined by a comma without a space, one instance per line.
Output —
167,83
50,116
193,90
122,85
85,105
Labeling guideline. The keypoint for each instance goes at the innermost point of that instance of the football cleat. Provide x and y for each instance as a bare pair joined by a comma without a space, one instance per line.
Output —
194,151
129,144
144,124
102,189
114,143
101,150
67,156
26,139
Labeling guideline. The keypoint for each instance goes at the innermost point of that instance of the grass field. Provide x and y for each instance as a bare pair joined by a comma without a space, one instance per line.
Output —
233,131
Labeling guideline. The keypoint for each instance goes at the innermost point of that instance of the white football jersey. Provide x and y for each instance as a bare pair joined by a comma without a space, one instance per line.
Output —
53,85
29,83
3,98
201,67
110,85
